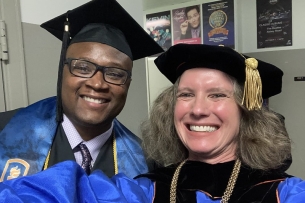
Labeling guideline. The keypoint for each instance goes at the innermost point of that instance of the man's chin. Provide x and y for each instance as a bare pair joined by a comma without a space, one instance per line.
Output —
93,122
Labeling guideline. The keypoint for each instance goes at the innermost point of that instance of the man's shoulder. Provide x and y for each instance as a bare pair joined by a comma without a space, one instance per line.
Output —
120,128
6,116
45,104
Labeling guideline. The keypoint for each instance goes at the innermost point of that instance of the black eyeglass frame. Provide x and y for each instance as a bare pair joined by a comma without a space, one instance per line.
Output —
98,68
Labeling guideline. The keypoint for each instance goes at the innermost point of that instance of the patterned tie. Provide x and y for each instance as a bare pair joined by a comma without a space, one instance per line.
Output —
86,163
196,35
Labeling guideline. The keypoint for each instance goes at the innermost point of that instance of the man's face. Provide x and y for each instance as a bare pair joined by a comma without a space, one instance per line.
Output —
193,18
92,102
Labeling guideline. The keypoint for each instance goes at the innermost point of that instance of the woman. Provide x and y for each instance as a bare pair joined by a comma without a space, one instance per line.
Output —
229,140
218,142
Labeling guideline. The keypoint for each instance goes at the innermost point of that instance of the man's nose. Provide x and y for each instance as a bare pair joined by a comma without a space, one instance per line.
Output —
97,81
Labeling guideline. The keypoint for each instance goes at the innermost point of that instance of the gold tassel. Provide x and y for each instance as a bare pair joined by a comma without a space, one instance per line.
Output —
253,86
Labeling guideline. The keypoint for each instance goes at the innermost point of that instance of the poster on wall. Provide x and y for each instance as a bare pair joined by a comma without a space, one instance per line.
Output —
274,23
218,23
186,25
158,26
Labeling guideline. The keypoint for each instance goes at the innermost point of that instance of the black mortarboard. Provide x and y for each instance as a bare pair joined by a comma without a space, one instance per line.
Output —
258,77
103,21
108,12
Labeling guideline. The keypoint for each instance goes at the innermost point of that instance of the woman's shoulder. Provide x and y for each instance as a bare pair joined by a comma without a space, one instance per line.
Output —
160,173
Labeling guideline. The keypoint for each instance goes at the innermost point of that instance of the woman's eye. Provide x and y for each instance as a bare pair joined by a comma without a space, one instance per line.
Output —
184,95
218,95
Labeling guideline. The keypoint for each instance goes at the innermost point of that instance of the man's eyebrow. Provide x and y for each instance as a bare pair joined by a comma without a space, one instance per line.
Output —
112,63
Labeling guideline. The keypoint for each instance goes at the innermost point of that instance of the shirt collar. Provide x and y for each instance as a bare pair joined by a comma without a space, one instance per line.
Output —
94,145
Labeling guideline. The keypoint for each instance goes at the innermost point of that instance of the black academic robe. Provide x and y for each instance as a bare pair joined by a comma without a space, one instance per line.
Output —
251,186
61,151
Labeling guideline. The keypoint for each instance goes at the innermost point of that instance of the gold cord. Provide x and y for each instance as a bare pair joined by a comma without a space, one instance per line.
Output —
226,195
46,163
228,192
174,182
115,159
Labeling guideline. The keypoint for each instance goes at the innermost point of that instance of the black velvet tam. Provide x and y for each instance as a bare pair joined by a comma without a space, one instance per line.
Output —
106,22
182,57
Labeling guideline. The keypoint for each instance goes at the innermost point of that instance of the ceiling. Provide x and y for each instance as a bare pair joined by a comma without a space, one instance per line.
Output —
151,4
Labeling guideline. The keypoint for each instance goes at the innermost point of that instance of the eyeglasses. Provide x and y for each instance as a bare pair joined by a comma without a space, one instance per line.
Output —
85,69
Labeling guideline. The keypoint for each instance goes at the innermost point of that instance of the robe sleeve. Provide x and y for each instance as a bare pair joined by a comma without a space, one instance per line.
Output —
67,182
292,190
120,188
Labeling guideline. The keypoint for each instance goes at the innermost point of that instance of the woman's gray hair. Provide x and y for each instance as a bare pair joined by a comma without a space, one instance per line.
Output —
263,141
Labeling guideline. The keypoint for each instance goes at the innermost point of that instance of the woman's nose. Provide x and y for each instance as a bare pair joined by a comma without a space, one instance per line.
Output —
201,107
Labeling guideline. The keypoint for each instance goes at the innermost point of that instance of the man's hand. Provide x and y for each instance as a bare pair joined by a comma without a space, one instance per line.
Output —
183,27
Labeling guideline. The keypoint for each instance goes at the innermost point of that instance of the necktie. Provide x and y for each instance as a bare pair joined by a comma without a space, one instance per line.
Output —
194,33
86,163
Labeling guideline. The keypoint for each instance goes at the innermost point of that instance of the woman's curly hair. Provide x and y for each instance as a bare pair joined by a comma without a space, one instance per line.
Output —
263,142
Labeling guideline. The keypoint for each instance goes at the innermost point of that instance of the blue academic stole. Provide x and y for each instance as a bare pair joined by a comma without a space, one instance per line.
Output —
130,157
26,139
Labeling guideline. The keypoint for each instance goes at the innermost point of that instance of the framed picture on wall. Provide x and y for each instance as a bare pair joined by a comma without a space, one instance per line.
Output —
274,23
187,25
218,23
158,26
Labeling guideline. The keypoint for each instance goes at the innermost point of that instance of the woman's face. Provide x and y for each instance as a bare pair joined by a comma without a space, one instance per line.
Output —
206,115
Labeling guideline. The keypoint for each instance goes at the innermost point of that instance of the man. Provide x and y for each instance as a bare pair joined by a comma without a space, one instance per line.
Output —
93,80
190,28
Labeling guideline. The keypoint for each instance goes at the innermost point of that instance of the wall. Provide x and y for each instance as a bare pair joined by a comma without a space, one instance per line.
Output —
290,103
245,21
42,52
39,11
13,70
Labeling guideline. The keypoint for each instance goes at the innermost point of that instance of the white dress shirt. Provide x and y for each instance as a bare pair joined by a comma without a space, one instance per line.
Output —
94,145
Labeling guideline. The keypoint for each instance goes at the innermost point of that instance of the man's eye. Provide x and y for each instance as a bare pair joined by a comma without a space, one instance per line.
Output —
115,75
82,69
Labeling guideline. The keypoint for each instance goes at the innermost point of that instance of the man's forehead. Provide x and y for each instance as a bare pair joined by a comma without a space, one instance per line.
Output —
194,10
